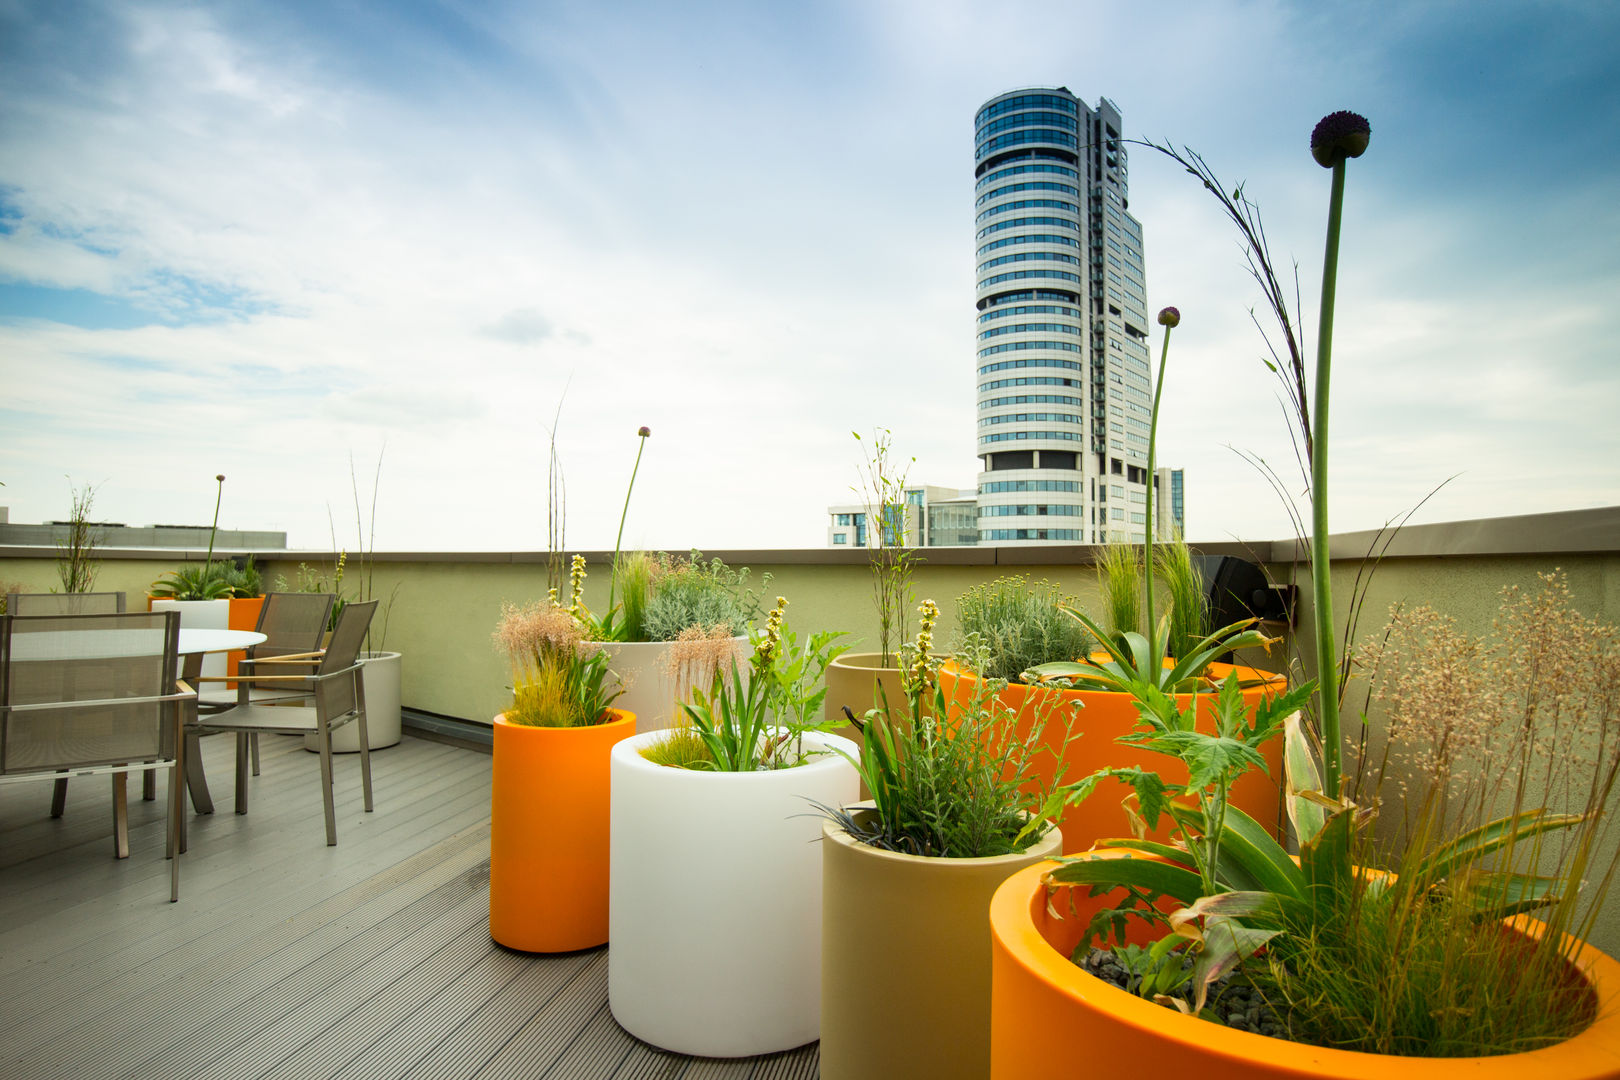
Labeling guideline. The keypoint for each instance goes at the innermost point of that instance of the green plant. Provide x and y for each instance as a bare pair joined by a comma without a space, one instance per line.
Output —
76,567
689,592
558,679
634,574
1018,625
310,579
1184,586
883,491
963,789
755,718
245,581
1119,580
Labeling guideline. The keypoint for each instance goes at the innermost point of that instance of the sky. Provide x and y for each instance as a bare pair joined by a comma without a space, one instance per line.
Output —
394,249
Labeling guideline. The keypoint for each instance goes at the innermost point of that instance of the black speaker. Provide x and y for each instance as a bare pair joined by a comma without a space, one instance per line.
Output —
1237,589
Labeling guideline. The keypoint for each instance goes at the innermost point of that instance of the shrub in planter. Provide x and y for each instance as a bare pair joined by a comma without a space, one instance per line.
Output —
907,878
715,892
548,865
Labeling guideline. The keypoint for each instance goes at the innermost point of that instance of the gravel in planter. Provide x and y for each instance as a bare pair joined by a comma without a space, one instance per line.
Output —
1232,1000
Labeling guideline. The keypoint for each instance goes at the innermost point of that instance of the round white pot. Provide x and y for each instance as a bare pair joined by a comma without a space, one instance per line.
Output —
714,900
649,689
380,672
202,615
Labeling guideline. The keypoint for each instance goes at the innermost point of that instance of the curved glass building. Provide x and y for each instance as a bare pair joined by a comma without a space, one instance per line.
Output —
1063,377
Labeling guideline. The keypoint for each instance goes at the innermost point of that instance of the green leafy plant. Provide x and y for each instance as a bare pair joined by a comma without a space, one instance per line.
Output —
310,579
1016,625
755,718
558,679
245,581
76,565
883,490
966,788
663,596
1184,586
1119,580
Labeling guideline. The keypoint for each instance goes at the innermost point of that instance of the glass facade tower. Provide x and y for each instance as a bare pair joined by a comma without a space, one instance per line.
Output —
1064,384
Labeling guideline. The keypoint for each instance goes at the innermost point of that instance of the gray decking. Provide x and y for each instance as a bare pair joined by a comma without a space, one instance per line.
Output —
286,958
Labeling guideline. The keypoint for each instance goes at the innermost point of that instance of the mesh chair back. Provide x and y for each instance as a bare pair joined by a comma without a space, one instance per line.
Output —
338,696
84,603
116,667
292,623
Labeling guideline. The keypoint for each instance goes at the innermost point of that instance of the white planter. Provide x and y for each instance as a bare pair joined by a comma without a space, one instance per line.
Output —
714,901
202,615
649,690
380,672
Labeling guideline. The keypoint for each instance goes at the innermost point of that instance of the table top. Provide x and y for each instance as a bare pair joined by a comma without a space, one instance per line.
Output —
82,645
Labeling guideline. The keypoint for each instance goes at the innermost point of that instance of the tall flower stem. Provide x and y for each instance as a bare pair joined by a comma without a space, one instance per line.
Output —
1168,318
613,571
214,528
1339,136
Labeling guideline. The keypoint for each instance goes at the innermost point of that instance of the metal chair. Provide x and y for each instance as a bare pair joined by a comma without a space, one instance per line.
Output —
293,624
86,694
338,695
84,603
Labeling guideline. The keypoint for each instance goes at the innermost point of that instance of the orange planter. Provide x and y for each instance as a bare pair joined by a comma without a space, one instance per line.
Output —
1104,717
1036,991
244,616
548,834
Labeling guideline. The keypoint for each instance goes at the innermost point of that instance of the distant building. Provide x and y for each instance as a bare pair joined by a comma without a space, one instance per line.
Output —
1170,506
1064,388
114,534
930,517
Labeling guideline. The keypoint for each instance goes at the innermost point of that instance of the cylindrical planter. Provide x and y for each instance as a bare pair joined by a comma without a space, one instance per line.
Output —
548,834
381,673
1103,717
715,900
649,689
1037,991
244,616
905,959
854,679
200,615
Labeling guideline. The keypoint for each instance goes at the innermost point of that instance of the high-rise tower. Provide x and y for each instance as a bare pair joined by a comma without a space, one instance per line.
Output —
1064,389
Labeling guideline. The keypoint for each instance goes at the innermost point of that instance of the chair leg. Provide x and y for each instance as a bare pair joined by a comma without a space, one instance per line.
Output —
120,794
59,797
149,785
365,758
253,742
195,779
324,737
177,806
241,772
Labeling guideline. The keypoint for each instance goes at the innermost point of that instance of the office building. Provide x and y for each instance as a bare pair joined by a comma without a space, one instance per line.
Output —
933,517
1064,388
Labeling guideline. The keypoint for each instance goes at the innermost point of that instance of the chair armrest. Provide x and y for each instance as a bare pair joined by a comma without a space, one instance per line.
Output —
291,658
255,678
184,691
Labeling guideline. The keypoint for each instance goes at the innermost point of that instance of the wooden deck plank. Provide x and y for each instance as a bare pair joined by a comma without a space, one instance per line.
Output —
288,959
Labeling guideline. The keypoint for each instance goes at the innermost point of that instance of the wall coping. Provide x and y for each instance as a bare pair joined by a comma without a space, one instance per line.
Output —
1573,532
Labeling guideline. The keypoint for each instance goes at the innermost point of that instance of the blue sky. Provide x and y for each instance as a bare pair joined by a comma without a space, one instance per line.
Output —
258,239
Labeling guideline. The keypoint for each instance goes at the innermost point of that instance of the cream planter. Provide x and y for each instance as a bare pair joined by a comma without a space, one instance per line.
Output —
380,673
905,959
714,901
649,690
202,615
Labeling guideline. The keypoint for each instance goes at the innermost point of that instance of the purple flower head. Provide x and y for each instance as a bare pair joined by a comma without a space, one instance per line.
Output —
220,478
1338,136
645,431
1169,317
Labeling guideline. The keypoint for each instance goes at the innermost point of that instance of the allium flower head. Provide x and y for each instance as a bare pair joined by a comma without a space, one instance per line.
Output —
220,478
1169,317
644,431
1338,136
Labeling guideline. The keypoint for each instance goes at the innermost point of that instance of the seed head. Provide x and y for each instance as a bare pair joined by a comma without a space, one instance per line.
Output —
1338,136
1169,317
220,478
644,431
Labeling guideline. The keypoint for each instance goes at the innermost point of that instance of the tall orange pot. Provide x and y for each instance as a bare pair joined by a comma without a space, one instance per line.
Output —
548,834
1104,717
1036,991
244,616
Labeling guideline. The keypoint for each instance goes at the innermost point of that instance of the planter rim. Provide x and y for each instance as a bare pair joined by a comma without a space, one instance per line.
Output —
863,661
1592,1052
620,719
628,753
1047,845
1269,678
